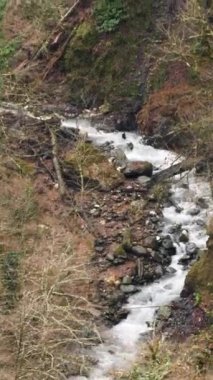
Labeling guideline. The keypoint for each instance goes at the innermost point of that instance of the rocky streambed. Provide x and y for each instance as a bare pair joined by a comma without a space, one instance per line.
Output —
144,259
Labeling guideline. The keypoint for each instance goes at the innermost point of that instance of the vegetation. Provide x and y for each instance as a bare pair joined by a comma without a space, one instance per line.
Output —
106,57
46,314
119,56
200,276
109,14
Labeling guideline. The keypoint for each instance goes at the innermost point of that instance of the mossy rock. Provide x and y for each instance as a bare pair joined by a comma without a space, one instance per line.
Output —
104,67
200,276
119,251
89,161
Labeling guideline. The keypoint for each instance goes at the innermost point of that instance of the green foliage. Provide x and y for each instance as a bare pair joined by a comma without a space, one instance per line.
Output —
10,265
109,14
104,69
152,370
197,298
10,277
7,49
2,8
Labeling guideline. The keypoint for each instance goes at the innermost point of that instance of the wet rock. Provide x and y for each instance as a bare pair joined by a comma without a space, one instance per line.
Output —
99,249
175,229
151,242
184,236
119,260
130,146
200,222
185,259
154,219
107,146
139,251
137,168
191,249
110,257
170,270
201,202
126,280
168,245
129,289
155,255
165,256
167,242
99,242
194,211
176,206
143,180
163,313
119,158
159,271
125,122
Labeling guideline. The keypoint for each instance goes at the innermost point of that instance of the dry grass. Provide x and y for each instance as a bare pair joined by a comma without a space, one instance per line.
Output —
162,359
47,318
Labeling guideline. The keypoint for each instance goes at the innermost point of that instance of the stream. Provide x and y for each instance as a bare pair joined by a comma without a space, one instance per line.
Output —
121,342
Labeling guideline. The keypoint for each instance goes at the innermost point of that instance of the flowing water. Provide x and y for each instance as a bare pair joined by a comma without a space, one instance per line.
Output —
121,342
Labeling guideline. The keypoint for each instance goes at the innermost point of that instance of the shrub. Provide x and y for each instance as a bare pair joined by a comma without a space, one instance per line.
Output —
109,14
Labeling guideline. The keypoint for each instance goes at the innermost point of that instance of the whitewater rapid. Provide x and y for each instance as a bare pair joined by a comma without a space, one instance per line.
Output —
120,345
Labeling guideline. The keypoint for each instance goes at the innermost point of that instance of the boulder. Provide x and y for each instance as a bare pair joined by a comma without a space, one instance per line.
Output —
151,242
201,202
194,211
200,276
168,245
164,313
184,236
130,146
119,158
136,169
191,249
185,259
126,280
159,271
139,251
129,289
170,271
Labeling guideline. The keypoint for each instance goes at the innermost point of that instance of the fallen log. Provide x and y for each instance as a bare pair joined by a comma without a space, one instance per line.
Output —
173,170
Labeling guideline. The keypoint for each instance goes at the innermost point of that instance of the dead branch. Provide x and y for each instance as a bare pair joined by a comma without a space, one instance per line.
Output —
179,168
62,187
63,19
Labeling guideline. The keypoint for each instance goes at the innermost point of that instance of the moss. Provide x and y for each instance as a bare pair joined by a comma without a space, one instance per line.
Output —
120,251
103,67
200,276
127,239
88,161
84,154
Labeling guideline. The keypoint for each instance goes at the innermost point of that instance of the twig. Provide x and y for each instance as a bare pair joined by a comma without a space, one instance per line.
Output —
47,41
62,187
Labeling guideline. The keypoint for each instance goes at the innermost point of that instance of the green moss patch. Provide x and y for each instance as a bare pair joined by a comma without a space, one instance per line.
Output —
103,67
200,276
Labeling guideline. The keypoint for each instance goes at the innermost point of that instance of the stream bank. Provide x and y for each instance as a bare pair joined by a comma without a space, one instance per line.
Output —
175,240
